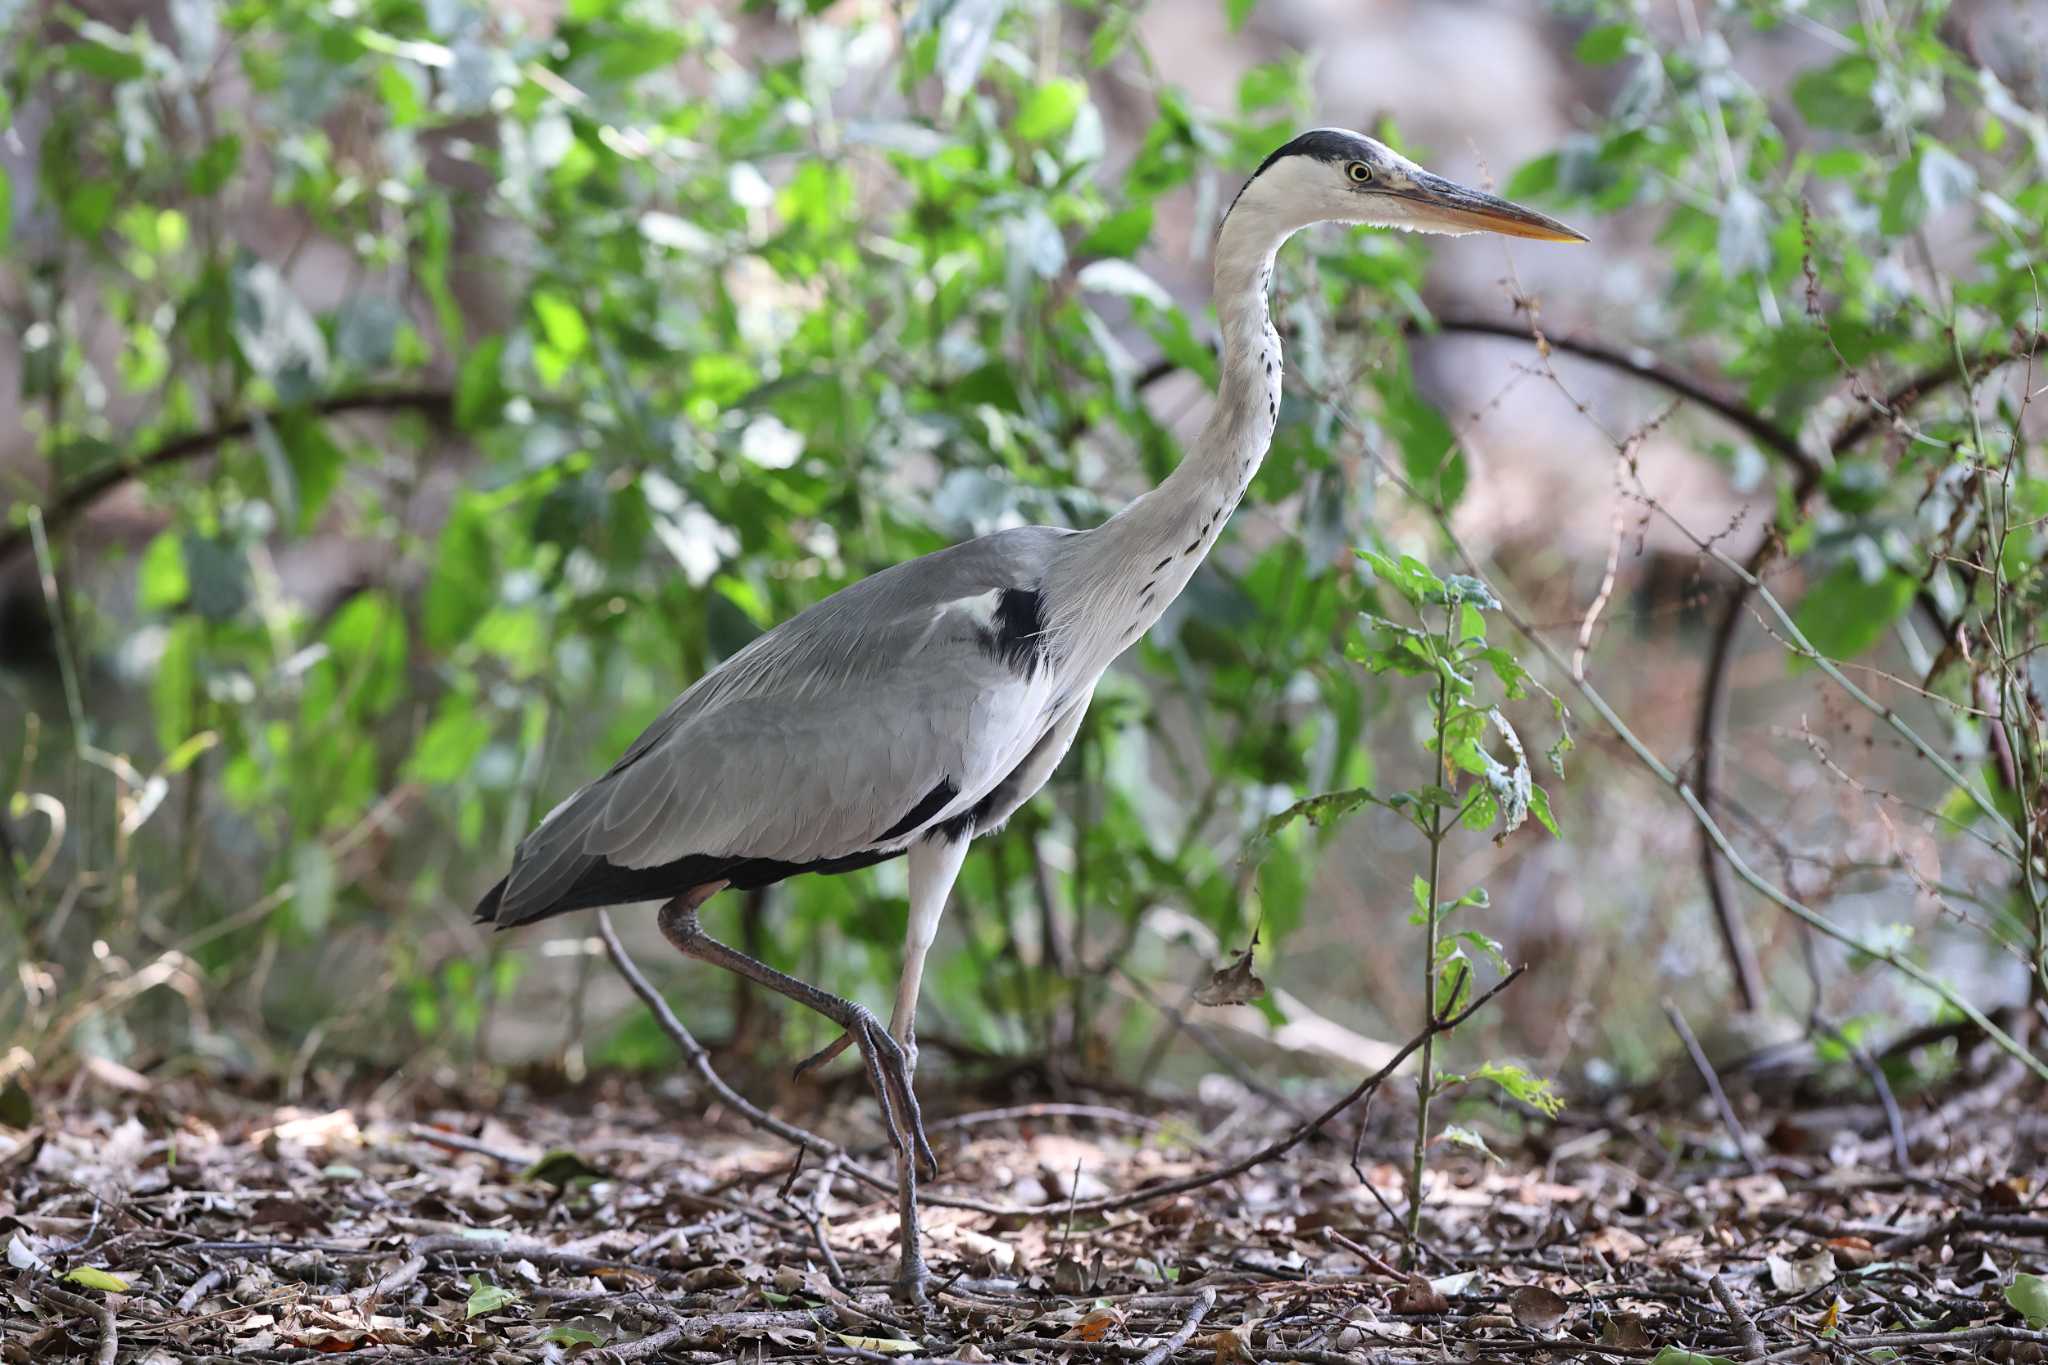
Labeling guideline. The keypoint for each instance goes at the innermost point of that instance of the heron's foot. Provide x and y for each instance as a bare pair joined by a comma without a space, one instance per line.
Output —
843,1042
913,1279
889,1068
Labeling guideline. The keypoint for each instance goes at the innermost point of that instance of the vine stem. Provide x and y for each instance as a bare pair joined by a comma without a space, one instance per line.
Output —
1425,1084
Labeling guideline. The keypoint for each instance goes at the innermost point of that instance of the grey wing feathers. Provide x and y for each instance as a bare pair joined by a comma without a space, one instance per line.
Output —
819,736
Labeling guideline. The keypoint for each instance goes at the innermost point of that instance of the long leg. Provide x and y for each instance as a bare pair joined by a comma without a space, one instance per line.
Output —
934,864
888,1071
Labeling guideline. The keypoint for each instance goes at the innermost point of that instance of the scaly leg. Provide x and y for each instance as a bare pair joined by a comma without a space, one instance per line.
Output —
887,1070
934,865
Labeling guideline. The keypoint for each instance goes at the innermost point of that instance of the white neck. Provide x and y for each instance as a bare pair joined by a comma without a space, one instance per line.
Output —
1108,586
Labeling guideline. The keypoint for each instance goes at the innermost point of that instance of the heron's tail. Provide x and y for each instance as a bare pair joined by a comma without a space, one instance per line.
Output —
487,908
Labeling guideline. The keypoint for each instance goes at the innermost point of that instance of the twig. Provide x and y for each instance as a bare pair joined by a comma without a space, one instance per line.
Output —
439,1137
1365,1253
110,1336
1749,1341
1196,1312
200,1288
1168,1188
1713,1080
78,496
1762,430
397,1282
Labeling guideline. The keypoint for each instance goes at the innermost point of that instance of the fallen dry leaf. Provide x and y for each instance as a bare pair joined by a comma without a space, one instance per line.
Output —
1537,1308
1626,1331
1418,1296
1854,1252
1807,1273
1097,1326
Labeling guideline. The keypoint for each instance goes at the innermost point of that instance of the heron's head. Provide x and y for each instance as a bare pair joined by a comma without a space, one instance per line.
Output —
1332,175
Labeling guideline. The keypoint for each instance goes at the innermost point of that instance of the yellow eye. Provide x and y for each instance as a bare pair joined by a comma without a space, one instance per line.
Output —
1359,172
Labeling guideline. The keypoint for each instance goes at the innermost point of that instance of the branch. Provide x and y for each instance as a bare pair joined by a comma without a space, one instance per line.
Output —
1766,433
1701,1064
1664,773
1443,1023
77,1303
1746,1333
68,503
1159,1354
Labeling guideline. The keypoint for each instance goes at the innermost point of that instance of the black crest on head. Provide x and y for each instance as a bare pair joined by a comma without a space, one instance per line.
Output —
1324,144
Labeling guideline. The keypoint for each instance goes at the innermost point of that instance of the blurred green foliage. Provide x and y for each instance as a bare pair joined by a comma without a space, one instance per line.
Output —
615,346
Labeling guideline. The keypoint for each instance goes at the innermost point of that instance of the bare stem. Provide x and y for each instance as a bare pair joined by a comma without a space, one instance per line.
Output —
1425,1084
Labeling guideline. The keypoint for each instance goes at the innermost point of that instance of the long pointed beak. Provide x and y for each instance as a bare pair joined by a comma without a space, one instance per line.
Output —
1450,207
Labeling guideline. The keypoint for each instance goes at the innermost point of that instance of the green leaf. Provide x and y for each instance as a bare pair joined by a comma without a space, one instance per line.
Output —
399,86
1407,575
1534,179
103,51
92,1277
1605,44
2028,1294
1317,810
1539,806
463,583
1120,234
212,167
174,689
561,324
486,1298
480,386
1843,614
87,207
1526,1086
567,1334
316,463
1839,96
1459,1136
186,754
1050,109
645,48
1431,454
1237,11
160,580
448,748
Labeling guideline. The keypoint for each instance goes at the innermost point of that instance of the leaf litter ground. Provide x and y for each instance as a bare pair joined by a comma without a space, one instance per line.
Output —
185,1223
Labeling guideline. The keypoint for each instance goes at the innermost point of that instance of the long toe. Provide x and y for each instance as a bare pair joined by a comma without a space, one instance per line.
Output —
823,1054
890,1073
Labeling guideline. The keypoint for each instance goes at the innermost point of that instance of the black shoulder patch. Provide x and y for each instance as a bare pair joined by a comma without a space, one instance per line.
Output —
934,801
1019,635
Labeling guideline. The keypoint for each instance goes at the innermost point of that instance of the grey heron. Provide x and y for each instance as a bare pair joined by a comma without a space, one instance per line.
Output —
919,708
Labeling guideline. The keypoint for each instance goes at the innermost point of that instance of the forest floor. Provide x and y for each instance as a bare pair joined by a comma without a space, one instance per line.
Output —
601,1223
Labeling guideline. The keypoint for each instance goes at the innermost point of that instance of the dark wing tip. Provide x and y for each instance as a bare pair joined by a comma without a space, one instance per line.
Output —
487,908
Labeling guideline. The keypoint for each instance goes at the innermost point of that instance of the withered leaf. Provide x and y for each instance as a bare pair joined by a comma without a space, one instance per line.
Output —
1235,984
1418,1296
1538,1309
1097,1326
